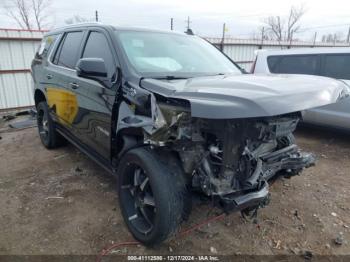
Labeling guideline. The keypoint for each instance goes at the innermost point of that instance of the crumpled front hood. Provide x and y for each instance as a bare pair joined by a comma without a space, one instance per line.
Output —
241,96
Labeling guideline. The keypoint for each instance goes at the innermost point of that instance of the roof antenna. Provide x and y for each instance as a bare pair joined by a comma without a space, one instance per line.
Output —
189,31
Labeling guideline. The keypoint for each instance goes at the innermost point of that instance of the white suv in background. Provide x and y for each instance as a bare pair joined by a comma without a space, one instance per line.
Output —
328,62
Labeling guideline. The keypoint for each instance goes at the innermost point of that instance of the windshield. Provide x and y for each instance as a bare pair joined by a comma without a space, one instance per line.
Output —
173,55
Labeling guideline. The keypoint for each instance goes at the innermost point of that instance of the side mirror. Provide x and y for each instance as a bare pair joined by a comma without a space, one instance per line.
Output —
93,68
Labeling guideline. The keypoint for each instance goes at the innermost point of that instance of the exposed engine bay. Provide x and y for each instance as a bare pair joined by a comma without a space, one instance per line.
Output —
232,134
228,160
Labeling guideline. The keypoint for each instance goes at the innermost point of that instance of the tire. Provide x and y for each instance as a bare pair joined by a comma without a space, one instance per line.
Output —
46,127
152,210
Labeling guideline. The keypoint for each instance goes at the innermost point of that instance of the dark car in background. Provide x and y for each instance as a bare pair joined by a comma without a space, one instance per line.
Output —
171,116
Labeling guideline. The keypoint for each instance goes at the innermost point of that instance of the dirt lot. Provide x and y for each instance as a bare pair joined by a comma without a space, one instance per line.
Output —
60,202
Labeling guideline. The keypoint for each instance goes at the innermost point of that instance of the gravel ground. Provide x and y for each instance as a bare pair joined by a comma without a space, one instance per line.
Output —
60,202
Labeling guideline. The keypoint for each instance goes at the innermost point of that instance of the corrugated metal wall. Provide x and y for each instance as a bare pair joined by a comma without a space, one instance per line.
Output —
243,55
17,49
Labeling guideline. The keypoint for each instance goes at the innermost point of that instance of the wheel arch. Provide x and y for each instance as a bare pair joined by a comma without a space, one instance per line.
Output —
124,140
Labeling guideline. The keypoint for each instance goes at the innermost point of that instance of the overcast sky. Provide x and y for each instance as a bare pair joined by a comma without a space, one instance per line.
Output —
207,16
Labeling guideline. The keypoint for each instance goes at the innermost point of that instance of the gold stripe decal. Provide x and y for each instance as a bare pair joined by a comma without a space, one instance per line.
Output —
63,102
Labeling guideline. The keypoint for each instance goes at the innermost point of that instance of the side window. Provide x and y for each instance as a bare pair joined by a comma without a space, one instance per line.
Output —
337,66
45,46
293,64
97,47
273,62
54,59
67,52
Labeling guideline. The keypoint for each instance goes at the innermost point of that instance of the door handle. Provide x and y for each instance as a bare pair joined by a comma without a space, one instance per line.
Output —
74,85
49,76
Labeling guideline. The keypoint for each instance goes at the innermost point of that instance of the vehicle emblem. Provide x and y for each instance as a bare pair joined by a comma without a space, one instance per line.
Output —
132,92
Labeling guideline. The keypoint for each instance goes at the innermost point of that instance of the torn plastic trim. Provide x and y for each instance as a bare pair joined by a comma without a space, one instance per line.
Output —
257,198
129,119
288,158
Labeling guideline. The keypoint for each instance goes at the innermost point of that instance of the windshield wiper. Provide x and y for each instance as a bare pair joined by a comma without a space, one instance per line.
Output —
170,77
218,74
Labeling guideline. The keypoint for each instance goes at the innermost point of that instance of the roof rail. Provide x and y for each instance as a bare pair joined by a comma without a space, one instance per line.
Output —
77,24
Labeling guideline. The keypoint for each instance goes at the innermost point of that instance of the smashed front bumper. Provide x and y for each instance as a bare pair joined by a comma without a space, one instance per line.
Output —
285,162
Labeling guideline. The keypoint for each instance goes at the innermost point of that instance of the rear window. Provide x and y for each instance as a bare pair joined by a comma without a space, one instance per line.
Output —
67,52
337,66
293,64
45,45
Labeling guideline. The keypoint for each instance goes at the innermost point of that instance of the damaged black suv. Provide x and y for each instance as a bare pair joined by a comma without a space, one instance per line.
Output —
171,116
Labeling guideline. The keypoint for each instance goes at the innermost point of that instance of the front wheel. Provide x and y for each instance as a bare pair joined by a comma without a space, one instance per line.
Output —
151,195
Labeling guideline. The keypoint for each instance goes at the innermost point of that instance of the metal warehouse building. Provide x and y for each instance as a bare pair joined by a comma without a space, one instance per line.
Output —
17,49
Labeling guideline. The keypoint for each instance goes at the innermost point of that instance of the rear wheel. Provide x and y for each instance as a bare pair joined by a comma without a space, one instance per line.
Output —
46,127
151,196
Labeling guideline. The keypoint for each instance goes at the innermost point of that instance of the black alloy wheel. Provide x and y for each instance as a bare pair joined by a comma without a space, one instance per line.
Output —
139,199
152,195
